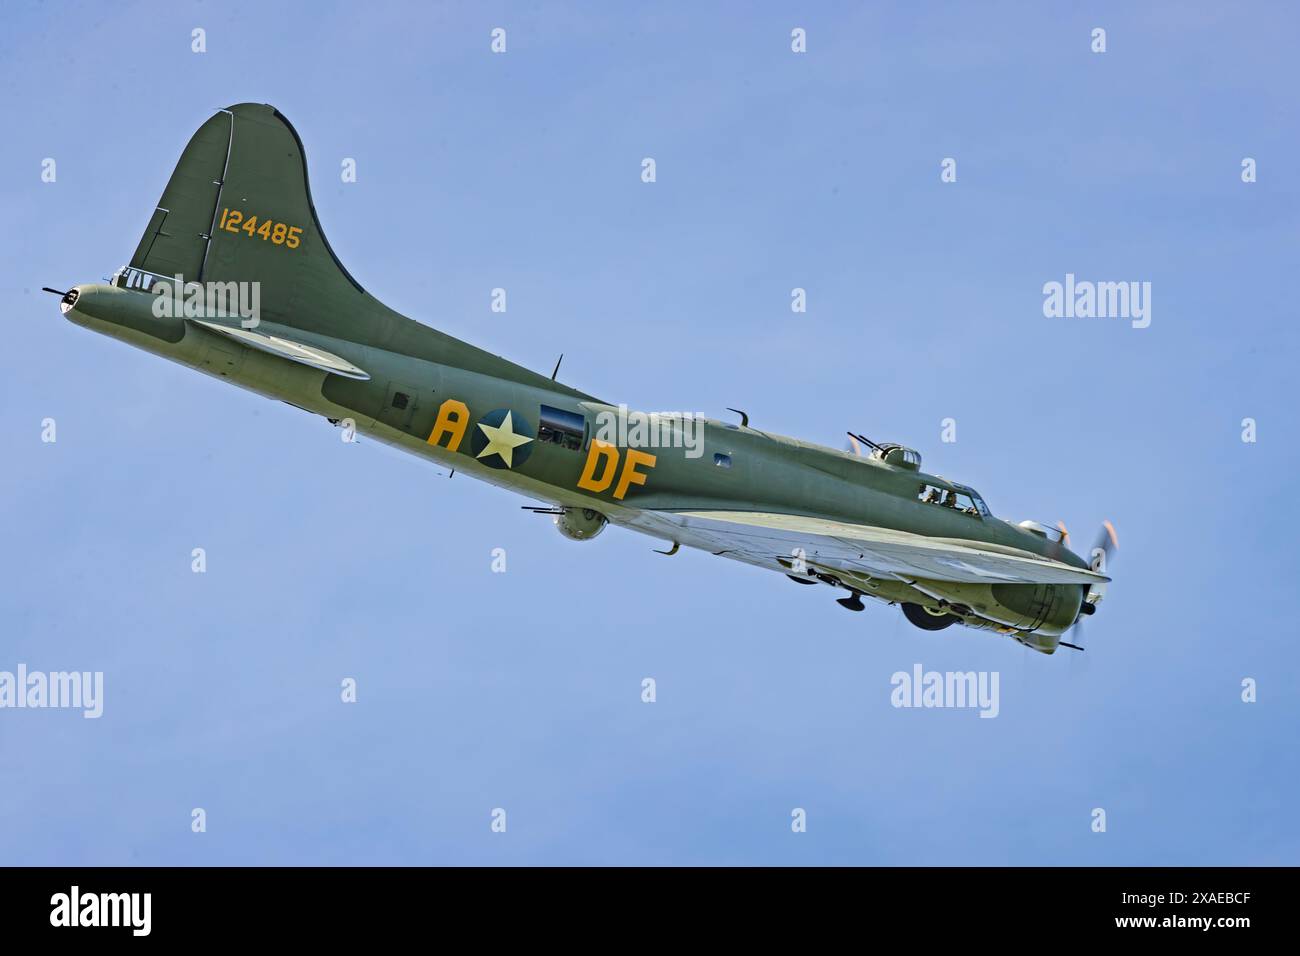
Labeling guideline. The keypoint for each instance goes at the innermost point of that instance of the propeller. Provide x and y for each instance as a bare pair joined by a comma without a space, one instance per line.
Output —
1107,544
1054,548
1099,557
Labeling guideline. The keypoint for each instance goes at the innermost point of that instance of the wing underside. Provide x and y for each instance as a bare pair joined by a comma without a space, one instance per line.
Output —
762,538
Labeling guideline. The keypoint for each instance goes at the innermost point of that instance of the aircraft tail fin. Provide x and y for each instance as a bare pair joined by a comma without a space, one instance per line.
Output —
238,208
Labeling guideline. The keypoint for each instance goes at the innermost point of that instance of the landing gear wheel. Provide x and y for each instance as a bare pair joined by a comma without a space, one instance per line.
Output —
926,619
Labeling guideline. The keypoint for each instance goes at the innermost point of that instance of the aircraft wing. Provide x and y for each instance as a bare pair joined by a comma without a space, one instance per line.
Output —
761,537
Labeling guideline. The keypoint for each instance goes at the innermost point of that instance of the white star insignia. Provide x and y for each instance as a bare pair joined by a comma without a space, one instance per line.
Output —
982,572
502,440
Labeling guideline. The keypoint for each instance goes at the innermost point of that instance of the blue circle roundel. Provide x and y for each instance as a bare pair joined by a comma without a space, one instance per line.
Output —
502,439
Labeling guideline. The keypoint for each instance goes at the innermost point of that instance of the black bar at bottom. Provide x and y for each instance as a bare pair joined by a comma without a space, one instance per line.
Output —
375,904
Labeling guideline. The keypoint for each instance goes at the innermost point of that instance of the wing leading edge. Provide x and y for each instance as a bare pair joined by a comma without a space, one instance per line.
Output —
878,551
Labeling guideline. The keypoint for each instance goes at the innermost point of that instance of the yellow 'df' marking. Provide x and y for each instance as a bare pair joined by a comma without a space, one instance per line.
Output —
630,475
605,456
601,451
453,417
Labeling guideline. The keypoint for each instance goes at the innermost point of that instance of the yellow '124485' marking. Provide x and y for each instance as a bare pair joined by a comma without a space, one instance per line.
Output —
282,234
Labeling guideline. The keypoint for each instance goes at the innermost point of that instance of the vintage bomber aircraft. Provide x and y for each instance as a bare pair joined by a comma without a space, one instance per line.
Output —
238,210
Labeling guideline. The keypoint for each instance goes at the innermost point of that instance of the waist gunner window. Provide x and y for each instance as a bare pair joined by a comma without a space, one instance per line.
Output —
558,427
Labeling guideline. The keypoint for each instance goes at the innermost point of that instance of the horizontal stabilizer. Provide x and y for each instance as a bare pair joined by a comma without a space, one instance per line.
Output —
287,349
238,208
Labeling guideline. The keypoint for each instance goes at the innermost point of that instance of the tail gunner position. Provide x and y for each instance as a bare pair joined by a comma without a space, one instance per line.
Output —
234,277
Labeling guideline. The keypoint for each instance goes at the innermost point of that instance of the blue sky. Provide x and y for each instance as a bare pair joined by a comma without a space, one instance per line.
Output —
522,690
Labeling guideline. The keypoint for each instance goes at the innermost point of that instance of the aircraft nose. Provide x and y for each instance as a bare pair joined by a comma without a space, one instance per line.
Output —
69,300
78,303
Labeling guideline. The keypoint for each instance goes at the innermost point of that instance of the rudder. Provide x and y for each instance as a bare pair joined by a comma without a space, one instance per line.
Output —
238,208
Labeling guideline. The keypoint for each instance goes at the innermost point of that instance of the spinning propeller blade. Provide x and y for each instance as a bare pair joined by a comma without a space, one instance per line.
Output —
1107,544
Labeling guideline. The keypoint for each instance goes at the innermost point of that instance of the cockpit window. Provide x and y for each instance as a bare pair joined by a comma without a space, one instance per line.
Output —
965,500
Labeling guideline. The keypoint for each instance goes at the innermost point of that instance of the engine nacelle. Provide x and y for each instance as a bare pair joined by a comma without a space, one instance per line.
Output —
580,524
1045,608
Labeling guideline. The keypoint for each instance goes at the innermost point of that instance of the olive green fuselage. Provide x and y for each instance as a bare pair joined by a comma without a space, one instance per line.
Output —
415,371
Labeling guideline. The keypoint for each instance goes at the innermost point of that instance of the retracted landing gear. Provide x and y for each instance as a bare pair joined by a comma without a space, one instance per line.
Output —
928,620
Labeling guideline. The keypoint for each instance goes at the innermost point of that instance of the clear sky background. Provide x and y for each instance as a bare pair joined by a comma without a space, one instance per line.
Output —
522,690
